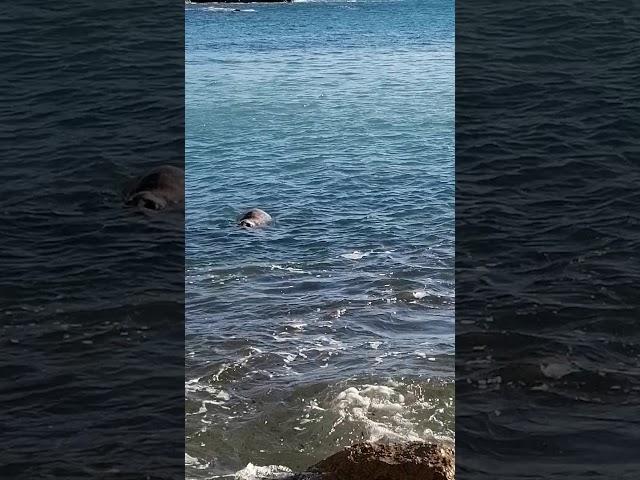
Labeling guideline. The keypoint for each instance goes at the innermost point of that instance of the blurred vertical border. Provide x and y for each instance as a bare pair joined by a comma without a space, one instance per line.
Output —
547,239
91,292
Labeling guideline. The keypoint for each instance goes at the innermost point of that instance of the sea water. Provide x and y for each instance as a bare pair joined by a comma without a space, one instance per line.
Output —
334,325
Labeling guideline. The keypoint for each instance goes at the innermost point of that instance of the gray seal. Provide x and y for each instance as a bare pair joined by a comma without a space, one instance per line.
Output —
158,189
255,218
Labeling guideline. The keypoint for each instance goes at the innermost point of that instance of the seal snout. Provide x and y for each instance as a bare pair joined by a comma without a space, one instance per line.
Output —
254,218
147,200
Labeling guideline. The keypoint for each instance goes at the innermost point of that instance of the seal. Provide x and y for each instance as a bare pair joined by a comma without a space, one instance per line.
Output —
255,218
158,189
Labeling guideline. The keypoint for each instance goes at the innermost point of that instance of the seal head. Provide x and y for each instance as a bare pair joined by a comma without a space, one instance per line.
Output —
255,218
158,189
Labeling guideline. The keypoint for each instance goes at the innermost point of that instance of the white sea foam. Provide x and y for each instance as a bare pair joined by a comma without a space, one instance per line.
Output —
219,9
287,356
355,255
217,396
194,386
227,9
382,402
194,462
269,472
297,325
287,269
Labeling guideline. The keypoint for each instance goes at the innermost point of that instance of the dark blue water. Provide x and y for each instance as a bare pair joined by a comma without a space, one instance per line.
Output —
547,204
91,293
336,323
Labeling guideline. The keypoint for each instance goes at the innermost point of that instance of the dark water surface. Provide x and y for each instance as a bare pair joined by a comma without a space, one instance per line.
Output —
547,240
91,294
335,324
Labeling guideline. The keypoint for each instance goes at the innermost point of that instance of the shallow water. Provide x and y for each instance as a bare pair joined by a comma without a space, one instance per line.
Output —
335,324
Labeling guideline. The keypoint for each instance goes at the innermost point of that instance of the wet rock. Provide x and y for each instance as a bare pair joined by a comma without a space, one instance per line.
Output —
409,461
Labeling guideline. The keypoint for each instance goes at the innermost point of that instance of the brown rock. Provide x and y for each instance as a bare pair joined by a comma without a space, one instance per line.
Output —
409,461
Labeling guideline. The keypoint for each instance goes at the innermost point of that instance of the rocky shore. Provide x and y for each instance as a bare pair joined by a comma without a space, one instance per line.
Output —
367,461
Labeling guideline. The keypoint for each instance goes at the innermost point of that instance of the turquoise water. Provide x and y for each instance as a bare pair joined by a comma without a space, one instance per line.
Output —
335,324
